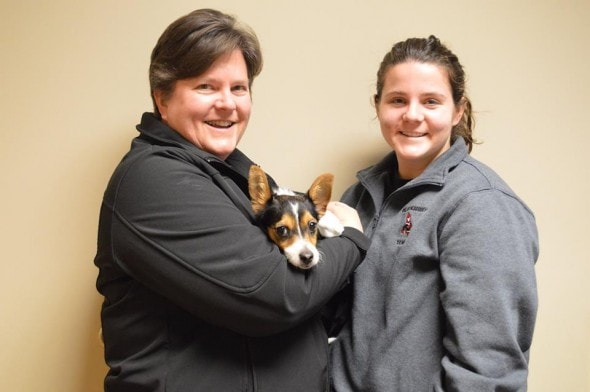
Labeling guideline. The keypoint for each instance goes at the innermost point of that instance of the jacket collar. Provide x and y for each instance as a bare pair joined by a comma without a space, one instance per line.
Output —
435,173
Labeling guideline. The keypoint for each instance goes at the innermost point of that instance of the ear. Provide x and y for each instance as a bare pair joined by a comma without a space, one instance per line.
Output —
458,112
320,192
161,102
376,101
260,192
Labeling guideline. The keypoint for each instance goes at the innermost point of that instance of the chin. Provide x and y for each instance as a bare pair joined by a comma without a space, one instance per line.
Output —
223,152
414,149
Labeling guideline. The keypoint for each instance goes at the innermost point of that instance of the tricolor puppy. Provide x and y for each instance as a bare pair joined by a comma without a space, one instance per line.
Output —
291,218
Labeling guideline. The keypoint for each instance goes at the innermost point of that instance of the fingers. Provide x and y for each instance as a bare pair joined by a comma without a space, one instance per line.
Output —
346,214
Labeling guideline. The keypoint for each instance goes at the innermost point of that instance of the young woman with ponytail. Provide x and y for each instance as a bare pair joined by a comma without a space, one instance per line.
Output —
446,297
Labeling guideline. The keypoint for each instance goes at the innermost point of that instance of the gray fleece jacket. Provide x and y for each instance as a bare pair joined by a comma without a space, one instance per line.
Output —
446,298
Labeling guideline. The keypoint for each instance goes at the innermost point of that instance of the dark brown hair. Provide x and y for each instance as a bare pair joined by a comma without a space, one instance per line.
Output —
192,43
430,50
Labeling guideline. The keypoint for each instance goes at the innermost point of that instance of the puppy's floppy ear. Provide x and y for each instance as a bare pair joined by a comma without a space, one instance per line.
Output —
260,191
320,192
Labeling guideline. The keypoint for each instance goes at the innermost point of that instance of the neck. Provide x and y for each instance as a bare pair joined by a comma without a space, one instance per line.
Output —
409,171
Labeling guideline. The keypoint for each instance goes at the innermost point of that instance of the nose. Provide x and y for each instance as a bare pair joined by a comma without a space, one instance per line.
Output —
306,257
225,101
413,113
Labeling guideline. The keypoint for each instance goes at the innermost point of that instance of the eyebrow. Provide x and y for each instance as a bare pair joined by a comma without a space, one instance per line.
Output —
209,79
426,94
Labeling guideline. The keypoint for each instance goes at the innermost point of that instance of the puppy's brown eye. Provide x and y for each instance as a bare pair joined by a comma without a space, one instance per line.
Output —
312,226
282,231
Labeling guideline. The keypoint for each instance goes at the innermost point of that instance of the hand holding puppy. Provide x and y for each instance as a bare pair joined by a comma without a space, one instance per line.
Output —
338,215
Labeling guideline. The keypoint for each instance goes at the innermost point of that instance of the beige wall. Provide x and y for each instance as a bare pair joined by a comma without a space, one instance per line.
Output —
73,85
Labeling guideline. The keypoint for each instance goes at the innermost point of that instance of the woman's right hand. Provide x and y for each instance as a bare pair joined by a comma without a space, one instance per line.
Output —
346,214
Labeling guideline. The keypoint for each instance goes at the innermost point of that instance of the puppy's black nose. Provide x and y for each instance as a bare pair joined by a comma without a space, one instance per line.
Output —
306,257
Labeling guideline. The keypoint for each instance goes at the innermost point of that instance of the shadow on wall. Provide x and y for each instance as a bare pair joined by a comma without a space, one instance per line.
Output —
107,152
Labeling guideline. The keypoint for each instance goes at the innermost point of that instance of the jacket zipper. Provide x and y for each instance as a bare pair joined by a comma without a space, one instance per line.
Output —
251,380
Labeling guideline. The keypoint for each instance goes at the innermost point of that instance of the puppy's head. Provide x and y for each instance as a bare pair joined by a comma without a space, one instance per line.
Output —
290,218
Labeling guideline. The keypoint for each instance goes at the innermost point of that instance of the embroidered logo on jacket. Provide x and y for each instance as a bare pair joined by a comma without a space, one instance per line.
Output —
407,225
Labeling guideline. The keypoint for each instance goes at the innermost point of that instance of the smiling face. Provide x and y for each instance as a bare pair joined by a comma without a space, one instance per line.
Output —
211,110
417,114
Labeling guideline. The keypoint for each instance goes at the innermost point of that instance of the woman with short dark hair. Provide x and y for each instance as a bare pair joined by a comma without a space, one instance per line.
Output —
196,297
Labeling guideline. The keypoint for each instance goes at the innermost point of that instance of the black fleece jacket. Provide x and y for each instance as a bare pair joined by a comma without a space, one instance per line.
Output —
196,298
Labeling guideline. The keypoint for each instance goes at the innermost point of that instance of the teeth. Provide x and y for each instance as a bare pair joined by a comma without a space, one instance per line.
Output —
412,134
220,123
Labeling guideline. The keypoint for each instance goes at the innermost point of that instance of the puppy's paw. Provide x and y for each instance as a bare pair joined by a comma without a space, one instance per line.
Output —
330,226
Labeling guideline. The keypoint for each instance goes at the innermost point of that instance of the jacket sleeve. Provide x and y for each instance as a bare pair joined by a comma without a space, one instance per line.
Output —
177,233
337,311
488,247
